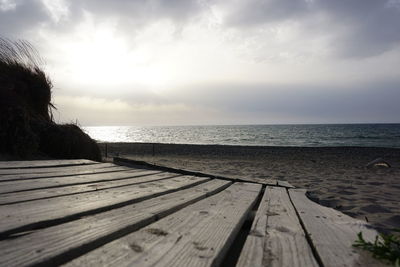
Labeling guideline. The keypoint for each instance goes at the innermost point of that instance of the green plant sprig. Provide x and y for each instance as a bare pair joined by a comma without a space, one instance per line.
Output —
385,247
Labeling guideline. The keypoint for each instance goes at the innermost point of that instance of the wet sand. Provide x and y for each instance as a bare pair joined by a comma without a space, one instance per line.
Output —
334,176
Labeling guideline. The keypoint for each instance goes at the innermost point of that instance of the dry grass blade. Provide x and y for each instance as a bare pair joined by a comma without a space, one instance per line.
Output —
19,52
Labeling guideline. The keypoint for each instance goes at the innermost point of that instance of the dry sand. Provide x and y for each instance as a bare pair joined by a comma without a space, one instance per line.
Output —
334,176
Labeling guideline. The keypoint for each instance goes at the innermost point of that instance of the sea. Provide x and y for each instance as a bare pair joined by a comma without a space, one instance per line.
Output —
305,135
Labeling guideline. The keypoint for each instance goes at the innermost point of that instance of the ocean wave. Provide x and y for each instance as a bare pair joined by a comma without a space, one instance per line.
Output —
269,135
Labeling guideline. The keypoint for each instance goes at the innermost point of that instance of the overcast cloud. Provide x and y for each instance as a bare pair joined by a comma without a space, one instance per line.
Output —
215,62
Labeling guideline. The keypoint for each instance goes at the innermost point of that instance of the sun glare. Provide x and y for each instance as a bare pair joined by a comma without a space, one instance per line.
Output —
103,59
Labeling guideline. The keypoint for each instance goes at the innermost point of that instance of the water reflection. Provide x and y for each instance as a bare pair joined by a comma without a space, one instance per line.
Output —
382,135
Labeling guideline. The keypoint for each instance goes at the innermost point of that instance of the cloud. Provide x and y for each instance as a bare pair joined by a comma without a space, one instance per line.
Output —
375,102
173,61
366,28
355,28
107,111
352,28
239,103
141,10
21,17
255,12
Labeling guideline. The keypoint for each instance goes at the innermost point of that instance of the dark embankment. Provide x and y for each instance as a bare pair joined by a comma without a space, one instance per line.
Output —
27,129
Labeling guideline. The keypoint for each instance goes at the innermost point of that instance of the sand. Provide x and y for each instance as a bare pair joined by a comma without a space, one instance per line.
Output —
334,176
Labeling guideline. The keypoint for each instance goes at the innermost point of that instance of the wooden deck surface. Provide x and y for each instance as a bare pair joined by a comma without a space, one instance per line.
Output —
85,213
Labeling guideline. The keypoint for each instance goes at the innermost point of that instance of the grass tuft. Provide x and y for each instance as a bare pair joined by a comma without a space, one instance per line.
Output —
27,127
385,247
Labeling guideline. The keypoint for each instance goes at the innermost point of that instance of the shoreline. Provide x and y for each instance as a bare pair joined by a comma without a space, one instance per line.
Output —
334,176
146,147
236,145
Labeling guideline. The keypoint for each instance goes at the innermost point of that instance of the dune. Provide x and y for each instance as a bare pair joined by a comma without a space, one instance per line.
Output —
27,127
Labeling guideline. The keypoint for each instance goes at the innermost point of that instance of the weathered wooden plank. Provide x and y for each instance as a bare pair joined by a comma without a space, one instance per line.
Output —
66,169
270,182
17,217
53,245
198,235
43,163
20,177
133,162
332,232
263,181
276,237
39,183
284,184
31,195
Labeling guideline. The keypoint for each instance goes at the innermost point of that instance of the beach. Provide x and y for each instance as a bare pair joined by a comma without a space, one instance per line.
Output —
336,177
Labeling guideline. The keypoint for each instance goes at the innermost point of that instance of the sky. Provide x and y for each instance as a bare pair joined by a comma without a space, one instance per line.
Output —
187,62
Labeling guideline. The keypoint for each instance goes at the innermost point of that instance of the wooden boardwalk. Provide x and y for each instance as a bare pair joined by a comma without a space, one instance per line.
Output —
85,213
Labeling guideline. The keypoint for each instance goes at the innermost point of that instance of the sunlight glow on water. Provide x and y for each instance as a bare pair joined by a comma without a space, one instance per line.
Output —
380,135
